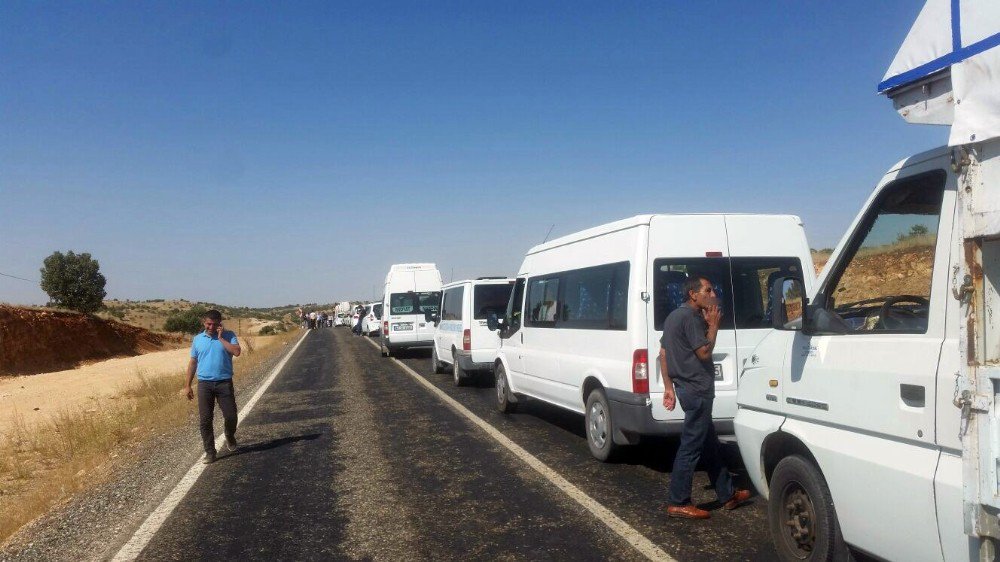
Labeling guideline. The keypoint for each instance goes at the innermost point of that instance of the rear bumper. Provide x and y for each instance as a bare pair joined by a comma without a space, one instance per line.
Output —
633,417
467,362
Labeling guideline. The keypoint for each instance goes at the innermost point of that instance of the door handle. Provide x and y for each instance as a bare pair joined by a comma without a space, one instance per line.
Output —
913,395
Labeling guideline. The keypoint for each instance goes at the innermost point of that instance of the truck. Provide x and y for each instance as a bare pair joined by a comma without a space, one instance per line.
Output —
868,417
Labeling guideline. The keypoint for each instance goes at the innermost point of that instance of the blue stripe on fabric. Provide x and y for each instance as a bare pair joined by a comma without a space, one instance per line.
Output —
939,63
956,25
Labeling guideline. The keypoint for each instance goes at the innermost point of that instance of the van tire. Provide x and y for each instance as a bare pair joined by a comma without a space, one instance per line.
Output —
503,394
458,374
438,367
799,494
599,426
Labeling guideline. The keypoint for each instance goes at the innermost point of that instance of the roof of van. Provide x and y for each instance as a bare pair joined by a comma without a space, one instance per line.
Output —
479,281
411,266
631,222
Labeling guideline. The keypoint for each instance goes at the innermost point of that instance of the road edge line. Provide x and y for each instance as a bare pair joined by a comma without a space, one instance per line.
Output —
627,532
135,545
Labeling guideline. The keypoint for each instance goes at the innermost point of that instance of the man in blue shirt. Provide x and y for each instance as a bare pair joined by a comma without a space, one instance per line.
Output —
212,353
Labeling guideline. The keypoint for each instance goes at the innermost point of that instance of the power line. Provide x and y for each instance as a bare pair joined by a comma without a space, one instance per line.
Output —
16,277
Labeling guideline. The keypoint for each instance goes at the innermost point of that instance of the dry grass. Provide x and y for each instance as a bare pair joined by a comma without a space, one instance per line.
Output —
45,464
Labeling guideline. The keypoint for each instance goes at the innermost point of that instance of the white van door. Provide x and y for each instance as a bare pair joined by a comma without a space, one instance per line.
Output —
862,391
679,247
541,339
512,338
449,331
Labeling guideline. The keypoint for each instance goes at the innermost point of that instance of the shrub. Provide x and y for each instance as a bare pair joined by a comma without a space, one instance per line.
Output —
73,281
188,321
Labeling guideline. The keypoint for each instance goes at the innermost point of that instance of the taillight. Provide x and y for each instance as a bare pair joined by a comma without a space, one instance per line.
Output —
467,340
640,371
385,328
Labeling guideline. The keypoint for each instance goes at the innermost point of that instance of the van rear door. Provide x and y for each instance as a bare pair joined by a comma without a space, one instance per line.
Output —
681,246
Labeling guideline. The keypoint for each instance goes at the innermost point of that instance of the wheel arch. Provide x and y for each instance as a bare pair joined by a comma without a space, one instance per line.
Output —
779,445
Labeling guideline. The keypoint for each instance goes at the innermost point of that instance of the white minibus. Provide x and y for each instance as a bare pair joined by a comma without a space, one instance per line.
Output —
586,315
411,289
462,339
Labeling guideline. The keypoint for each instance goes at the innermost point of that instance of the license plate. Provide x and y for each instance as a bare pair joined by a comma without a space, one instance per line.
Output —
403,326
718,371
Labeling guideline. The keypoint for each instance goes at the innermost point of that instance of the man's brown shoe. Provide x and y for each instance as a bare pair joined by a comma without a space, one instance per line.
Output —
687,512
739,498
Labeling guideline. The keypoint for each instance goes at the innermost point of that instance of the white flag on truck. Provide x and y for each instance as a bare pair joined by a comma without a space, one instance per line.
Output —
960,37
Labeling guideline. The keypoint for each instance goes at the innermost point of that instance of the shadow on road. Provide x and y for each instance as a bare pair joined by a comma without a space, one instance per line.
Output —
272,444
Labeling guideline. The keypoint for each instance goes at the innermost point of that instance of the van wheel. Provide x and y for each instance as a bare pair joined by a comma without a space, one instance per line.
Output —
504,402
457,372
600,426
800,513
438,367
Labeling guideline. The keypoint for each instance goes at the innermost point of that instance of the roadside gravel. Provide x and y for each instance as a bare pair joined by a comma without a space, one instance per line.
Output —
95,523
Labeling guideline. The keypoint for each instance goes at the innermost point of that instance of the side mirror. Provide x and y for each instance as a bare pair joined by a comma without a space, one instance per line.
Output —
788,304
432,317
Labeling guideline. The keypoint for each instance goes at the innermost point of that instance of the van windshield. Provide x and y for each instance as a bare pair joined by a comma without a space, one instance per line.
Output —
414,303
491,298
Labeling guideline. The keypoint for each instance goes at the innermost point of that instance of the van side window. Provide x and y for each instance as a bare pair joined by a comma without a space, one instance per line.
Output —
543,302
515,305
752,280
451,303
378,311
885,285
669,275
595,297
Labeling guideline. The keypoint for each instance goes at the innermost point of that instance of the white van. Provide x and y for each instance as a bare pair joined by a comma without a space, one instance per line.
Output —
869,419
411,289
372,323
587,312
463,339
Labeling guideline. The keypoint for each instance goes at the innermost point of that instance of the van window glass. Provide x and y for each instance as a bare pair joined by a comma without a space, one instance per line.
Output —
490,298
378,311
595,297
669,275
543,301
414,303
886,282
515,305
752,280
451,303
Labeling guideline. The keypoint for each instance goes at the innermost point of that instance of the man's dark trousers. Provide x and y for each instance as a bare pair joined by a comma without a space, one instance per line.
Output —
698,441
208,393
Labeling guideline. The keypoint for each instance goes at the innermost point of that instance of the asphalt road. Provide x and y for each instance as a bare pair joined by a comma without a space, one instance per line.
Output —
346,456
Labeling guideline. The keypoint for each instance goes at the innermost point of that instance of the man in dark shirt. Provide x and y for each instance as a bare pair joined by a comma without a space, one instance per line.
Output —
689,334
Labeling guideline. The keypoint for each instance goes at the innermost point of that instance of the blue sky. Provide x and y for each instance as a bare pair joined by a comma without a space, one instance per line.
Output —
260,154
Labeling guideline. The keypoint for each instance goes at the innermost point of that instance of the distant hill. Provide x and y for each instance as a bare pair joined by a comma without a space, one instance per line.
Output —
152,314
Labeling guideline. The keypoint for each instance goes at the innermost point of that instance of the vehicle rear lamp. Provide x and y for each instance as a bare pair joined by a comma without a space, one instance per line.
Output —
385,328
467,340
640,371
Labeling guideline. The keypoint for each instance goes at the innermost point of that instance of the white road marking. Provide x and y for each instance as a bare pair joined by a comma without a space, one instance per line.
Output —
152,524
638,541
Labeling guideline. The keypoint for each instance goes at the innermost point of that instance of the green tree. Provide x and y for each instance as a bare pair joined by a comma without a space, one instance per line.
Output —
73,281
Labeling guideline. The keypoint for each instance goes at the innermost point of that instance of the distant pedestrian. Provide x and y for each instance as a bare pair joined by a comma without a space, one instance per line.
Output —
689,335
312,320
212,353
302,318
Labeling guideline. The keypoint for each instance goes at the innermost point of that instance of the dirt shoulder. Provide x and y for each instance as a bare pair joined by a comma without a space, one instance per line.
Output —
35,399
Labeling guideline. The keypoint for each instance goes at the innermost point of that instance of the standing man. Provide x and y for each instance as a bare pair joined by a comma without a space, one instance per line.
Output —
689,334
212,353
